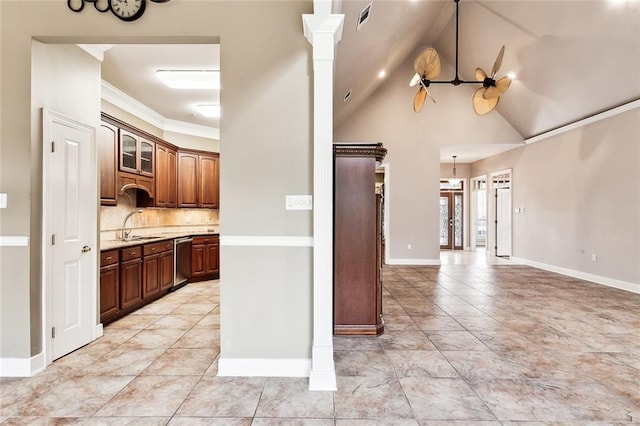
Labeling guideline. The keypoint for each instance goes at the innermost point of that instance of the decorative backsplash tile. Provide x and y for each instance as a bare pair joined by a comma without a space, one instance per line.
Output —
153,220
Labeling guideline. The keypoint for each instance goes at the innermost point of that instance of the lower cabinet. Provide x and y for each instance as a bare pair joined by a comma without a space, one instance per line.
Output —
131,277
109,285
205,258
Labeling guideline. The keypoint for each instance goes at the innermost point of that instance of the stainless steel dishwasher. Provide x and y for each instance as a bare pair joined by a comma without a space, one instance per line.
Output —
182,261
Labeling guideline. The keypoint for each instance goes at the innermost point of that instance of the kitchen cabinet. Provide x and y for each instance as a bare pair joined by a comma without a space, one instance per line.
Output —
109,285
166,177
136,154
357,240
205,257
130,278
198,179
158,268
129,180
108,158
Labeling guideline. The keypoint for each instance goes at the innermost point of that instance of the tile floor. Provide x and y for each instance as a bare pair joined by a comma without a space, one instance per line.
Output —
467,343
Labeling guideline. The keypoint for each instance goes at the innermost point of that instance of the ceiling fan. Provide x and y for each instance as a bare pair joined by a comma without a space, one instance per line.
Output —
427,68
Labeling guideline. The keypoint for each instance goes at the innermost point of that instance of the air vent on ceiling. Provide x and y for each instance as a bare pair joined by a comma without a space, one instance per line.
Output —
347,96
364,16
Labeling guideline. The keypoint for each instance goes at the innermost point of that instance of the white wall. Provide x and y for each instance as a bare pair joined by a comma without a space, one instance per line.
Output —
581,196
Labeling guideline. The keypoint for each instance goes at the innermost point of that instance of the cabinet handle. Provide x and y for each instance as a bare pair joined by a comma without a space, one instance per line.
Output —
153,249
132,253
108,258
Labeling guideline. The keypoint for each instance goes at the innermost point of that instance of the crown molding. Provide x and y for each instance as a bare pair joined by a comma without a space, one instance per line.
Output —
131,105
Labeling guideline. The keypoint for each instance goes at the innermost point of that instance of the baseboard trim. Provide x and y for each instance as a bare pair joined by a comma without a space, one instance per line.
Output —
416,262
21,367
14,241
98,331
264,367
598,279
323,381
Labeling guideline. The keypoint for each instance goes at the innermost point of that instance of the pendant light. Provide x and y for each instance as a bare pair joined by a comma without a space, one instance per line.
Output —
454,181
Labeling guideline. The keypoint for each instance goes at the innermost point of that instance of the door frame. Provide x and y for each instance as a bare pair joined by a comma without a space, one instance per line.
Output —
473,219
48,117
491,207
451,195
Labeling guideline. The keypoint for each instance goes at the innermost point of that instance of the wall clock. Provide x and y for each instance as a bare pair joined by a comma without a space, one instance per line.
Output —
125,10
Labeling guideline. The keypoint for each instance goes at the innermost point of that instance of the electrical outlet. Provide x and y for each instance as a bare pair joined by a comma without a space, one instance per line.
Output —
594,258
408,246
299,202
3,201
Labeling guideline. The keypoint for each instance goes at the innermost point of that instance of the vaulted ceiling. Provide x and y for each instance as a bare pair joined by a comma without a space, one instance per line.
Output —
572,59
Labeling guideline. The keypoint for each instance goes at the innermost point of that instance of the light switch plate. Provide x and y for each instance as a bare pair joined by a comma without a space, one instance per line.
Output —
3,201
299,202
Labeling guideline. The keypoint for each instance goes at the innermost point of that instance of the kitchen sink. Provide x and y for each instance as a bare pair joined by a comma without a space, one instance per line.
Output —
141,237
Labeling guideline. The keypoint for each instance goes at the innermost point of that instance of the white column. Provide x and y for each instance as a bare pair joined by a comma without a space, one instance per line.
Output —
323,31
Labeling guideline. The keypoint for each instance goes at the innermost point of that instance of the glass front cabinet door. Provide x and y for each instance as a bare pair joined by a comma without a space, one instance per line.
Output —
136,154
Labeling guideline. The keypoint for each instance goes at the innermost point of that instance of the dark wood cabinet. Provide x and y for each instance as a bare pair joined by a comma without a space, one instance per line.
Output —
166,178
109,285
108,158
205,258
198,179
357,240
137,154
144,183
158,268
130,278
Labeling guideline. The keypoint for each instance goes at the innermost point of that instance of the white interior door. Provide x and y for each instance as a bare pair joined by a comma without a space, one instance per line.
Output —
70,197
503,222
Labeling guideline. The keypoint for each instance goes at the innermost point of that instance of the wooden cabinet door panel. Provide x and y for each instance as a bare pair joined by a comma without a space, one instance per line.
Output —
187,179
108,158
162,176
208,184
165,270
172,178
130,283
109,292
213,254
150,276
198,256
129,152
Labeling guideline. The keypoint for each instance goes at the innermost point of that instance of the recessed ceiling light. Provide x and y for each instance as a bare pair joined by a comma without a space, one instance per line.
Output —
209,110
512,75
190,79
382,74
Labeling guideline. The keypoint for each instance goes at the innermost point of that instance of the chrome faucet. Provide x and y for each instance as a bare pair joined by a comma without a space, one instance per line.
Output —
124,233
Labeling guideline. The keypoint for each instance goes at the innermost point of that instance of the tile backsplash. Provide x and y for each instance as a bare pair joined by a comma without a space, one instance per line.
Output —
153,220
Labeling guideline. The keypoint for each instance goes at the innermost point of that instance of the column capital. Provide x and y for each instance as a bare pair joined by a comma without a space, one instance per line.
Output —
317,28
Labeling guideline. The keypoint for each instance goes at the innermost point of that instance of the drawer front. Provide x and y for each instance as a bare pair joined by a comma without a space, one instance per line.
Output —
109,257
208,239
158,247
128,253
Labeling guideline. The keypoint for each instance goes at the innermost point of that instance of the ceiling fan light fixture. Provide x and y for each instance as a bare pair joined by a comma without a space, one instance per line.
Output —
209,110
382,74
512,75
190,79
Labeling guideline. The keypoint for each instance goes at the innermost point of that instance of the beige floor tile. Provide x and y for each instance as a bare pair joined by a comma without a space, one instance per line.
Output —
260,421
182,362
183,322
152,396
210,421
410,363
362,363
223,397
123,362
154,339
199,338
370,398
126,421
290,397
456,341
444,399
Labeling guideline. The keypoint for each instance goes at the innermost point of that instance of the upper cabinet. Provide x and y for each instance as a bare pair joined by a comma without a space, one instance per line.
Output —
137,154
166,176
108,158
198,179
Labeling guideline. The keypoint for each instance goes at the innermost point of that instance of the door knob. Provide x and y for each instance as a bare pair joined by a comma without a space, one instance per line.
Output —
86,249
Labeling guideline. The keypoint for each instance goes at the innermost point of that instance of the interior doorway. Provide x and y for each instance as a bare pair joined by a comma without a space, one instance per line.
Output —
479,213
451,216
501,213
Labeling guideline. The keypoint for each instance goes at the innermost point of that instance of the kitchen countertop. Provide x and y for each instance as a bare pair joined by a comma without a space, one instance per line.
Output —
145,239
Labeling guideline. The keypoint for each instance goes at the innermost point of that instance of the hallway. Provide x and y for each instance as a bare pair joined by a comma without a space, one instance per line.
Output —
476,343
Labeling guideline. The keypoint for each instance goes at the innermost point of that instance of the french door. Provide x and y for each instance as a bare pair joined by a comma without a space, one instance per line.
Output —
451,220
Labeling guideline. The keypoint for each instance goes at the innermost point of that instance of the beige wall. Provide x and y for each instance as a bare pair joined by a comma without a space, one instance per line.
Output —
267,133
581,196
414,141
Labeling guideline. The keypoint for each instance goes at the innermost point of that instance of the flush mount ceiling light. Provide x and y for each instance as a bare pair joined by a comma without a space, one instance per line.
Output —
455,181
209,110
427,68
190,79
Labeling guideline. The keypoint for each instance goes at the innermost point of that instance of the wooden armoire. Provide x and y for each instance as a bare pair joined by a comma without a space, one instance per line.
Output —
357,240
